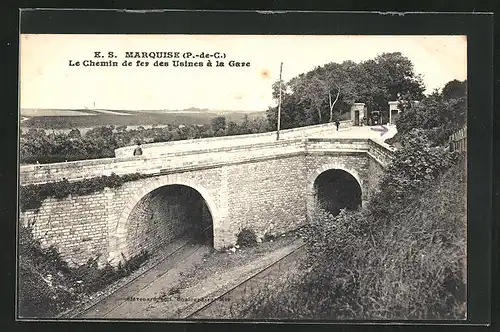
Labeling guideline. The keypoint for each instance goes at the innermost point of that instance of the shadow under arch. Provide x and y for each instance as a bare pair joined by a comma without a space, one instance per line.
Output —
352,183
118,247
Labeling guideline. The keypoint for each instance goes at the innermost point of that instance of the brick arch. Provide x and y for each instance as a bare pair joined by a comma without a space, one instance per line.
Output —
118,240
314,175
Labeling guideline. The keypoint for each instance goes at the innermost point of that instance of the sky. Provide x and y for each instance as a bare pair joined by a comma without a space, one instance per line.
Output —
47,81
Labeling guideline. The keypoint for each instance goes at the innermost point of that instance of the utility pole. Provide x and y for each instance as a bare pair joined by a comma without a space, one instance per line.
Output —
279,106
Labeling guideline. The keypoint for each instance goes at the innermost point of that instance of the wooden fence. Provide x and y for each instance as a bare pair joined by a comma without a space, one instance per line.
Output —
458,140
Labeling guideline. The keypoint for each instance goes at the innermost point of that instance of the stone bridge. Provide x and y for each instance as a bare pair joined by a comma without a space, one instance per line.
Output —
225,184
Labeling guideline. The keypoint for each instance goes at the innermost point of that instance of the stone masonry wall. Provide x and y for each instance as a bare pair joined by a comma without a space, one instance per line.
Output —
208,183
229,141
376,171
266,196
75,225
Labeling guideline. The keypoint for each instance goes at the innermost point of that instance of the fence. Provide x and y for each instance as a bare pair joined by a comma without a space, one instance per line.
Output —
458,140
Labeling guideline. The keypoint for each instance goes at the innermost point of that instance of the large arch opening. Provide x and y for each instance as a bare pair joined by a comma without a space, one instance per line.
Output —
168,213
336,189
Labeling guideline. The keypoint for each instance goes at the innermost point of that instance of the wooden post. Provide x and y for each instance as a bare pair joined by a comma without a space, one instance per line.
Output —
279,106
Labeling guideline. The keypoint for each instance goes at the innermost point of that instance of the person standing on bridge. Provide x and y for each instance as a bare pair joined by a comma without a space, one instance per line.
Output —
138,150
337,124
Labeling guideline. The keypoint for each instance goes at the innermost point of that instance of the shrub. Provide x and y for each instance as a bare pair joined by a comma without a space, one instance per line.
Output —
92,278
246,238
269,237
36,146
42,276
415,166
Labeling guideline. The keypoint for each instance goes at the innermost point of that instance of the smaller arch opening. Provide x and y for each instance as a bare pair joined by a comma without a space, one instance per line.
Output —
335,190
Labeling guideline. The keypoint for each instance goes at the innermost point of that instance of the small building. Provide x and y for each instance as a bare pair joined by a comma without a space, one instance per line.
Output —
357,113
393,112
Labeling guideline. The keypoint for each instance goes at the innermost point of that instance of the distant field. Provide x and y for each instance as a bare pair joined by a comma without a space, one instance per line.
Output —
67,119
43,112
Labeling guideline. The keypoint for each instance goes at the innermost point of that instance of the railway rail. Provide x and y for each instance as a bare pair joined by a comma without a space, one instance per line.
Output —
86,307
297,251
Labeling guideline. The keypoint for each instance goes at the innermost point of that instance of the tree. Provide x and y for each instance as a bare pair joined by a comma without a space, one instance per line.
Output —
233,128
289,108
455,89
34,146
75,134
219,124
437,114
245,125
258,125
103,140
332,104
121,129
390,76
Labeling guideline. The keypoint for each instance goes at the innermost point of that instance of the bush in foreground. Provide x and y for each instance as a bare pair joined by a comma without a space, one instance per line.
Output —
246,238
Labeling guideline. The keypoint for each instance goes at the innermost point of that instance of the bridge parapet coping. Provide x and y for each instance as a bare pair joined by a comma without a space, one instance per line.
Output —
326,143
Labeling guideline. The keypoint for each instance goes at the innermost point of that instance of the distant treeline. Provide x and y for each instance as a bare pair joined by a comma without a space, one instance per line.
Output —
37,146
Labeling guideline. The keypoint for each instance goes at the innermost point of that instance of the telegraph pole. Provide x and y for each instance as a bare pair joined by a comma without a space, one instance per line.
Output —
279,106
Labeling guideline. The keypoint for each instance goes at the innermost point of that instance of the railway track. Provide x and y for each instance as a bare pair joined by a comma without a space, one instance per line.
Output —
297,251
86,308
110,304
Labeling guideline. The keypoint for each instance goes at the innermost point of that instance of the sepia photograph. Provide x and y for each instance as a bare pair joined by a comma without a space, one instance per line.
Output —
242,177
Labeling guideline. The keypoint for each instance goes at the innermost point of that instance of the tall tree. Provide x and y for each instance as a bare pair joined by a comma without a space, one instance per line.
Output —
219,125
455,89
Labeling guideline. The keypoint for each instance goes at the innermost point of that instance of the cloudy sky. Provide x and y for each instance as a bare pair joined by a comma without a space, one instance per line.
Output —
48,82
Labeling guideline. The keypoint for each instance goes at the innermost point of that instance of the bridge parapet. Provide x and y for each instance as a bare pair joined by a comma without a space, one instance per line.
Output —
334,144
227,141
166,163
378,150
381,152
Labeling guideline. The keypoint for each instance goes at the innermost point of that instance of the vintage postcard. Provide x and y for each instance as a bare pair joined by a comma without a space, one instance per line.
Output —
228,177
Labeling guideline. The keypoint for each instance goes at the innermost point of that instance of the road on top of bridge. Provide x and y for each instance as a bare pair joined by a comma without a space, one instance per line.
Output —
372,132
